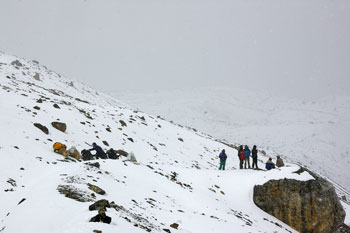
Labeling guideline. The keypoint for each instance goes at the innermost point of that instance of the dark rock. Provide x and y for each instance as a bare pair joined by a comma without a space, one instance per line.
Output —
16,63
174,225
97,164
180,139
56,106
36,107
42,128
166,230
108,130
59,126
343,229
36,77
105,143
96,189
131,140
74,193
101,218
100,204
279,162
123,123
122,153
307,206
21,201
39,101
97,231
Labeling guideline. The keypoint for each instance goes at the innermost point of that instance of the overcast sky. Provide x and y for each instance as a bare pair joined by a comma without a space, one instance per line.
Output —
297,47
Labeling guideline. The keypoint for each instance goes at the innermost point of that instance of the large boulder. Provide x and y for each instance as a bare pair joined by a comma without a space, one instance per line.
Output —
307,206
59,126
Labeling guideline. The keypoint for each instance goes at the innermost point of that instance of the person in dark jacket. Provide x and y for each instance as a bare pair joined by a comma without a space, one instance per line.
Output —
241,158
255,157
246,157
99,151
223,158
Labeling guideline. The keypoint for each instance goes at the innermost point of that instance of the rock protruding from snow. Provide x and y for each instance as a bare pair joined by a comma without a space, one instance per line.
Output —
307,206
59,126
42,128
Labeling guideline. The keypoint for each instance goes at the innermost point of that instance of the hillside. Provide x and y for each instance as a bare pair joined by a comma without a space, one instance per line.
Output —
175,178
314,133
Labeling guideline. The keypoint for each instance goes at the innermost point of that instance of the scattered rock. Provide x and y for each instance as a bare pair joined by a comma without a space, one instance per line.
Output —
122,153
131,140
97,231
59,126
39,101
37,77
102,217
74,193
307,206
166,230
174,225
105,143
16,63
74,153
56,106
100,204
36,107
180,139
123,123
97,164
96,189
279,162
42,128
21,201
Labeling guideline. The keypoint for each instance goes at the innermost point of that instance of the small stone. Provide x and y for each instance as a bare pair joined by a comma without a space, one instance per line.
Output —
96,189
123,123
59,126
42,128
56,106
174,225
37,77
36,107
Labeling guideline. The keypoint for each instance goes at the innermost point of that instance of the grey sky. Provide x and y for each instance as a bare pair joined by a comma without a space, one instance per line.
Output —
294,47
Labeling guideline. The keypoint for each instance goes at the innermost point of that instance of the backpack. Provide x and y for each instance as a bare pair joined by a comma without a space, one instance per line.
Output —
112,154
86,155
58,146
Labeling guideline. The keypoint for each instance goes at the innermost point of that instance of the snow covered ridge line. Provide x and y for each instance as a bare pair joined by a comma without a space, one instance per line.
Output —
175,186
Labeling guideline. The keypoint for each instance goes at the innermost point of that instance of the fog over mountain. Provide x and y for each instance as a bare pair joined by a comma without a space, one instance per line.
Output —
291,48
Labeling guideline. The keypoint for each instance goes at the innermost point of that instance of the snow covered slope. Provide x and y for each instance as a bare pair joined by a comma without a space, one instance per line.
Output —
176,179
313,133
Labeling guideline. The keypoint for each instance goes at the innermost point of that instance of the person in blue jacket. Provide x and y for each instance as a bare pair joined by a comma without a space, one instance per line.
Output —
269,164
246,157
223,158
99,151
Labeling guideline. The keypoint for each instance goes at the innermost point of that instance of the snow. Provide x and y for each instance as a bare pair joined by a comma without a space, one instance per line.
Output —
313,133
200,198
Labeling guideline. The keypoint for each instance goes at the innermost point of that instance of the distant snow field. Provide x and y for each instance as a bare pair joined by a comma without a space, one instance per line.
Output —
313,133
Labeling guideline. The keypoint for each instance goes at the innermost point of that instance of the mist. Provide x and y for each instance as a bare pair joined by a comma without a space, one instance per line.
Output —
299,49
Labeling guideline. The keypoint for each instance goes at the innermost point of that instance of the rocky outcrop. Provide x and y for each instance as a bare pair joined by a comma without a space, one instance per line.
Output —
59,126
96,189
307,206
42,128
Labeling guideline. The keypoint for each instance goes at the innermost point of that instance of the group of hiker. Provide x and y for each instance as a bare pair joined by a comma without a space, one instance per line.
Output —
86,154
244,155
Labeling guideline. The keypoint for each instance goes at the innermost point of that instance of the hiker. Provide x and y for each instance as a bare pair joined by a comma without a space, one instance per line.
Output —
99,151
223,158
60,148
269,164
246,156
241,156
255,157
279,161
